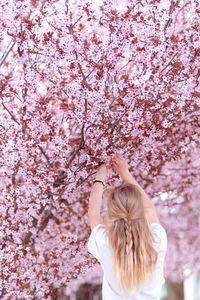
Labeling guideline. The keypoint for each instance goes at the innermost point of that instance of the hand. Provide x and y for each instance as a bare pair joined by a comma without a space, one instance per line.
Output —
102,172
120,165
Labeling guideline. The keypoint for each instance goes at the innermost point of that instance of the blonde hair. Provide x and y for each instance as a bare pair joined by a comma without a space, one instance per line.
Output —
131,240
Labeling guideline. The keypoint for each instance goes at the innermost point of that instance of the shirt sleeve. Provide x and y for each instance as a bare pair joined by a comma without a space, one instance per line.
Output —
96,240
161,235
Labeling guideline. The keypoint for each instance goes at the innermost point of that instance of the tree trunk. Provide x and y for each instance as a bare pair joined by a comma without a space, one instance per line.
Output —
175,290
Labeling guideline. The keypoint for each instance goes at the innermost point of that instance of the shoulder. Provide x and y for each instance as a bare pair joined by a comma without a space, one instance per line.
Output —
98,233
160,234
97,241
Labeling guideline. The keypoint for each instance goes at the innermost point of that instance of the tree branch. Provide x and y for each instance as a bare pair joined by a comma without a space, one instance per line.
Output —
10,114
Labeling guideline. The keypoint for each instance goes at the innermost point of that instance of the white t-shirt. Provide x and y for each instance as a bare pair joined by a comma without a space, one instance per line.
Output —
98,246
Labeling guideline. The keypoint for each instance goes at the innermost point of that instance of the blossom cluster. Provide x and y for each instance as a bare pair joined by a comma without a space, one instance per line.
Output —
79,83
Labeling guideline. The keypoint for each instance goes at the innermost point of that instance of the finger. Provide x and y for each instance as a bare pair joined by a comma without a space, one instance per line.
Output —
119,155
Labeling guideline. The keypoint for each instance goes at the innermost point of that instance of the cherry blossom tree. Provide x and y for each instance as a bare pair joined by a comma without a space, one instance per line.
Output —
80,81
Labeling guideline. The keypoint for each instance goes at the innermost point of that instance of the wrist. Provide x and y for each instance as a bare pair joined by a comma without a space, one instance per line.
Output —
125,175
100,178
99,181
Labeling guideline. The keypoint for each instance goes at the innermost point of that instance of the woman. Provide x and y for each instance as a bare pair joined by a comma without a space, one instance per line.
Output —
131,244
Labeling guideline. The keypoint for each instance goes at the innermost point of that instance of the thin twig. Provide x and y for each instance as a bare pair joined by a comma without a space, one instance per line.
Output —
13,117
45,155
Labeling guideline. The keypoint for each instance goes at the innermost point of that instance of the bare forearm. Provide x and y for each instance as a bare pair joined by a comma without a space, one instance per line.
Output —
128,178
95,198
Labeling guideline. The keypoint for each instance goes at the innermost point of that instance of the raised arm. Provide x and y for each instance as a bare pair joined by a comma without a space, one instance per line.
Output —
120,166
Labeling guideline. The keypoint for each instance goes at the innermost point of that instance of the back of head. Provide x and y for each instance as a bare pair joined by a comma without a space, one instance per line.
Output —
133,254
